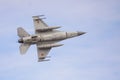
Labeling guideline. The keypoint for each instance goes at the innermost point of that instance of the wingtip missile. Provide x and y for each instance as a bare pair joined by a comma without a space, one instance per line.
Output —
42,60
38,17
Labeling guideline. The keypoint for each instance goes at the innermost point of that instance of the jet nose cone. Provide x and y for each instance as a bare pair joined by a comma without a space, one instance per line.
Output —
80,33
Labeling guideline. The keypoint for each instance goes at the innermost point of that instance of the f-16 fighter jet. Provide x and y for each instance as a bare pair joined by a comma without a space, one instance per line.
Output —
45,38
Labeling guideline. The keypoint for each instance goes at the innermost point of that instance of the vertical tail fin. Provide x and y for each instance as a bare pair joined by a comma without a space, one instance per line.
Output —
21,32
23,48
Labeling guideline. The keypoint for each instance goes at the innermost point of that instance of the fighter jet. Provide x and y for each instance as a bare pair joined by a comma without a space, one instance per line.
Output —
45,38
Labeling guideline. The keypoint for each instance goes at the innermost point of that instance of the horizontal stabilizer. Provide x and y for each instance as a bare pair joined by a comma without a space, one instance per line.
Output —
24,48
22,33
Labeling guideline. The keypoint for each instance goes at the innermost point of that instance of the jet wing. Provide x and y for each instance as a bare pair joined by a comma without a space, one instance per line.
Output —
42,28
42,53
38,23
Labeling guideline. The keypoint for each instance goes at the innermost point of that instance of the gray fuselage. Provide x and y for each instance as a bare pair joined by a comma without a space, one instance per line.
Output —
49,37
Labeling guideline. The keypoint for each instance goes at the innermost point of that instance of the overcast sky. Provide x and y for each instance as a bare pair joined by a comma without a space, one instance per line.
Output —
93,56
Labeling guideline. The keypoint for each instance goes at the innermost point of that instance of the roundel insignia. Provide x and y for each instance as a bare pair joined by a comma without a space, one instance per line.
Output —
42,54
